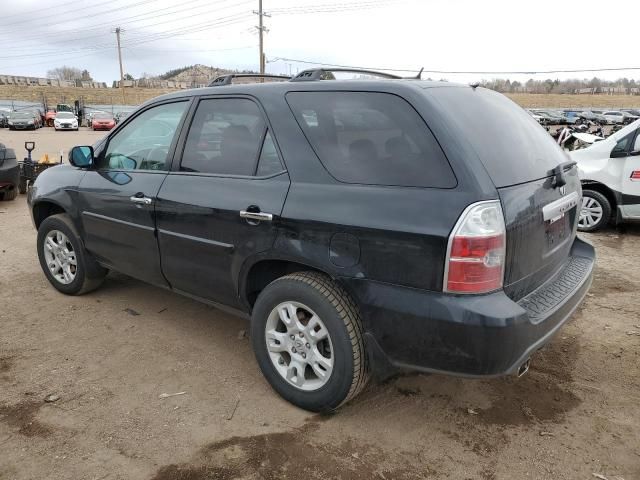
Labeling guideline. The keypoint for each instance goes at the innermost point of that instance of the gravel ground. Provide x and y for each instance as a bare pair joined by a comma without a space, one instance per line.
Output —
109,356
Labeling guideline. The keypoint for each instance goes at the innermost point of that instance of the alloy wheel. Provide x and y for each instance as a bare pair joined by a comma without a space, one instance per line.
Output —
590,213
299,346
60,257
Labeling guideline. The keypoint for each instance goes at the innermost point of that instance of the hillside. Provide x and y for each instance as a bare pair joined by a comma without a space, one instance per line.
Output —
136,96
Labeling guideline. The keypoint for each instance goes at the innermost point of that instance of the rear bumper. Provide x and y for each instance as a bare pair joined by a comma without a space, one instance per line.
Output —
485,335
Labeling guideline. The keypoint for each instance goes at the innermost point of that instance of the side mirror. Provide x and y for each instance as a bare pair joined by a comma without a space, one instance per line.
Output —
81,157
618,154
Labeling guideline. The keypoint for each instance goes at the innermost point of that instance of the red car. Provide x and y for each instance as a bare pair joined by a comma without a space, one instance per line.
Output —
103,121
50,117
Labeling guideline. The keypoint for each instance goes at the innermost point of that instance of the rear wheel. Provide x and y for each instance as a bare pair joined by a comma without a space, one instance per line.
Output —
9,194
307,337
64,261
595,212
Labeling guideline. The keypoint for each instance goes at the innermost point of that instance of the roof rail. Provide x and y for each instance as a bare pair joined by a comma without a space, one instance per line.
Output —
226,79
326,74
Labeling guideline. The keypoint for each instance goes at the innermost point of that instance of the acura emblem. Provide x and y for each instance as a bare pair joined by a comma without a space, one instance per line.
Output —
563,190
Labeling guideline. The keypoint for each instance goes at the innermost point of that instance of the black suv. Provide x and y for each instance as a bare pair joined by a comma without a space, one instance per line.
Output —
363,224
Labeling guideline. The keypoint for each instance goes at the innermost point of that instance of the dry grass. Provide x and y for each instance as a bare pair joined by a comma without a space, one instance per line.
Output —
530,100
91,96
136,96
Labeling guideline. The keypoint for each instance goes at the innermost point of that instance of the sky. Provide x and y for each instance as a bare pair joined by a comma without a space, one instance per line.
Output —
439,35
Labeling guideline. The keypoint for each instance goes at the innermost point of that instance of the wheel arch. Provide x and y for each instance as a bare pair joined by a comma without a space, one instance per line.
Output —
603,189
45,209
265,270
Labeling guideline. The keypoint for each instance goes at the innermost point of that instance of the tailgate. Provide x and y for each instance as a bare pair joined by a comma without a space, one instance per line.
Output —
520,157
541,224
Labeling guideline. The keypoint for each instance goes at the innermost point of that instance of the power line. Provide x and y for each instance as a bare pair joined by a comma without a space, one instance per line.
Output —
38,11
144,34
457,72
65,12
336,7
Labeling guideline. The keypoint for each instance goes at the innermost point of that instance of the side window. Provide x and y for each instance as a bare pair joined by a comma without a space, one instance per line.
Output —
371,138
636,145
623,144
269,162
224,138
143,144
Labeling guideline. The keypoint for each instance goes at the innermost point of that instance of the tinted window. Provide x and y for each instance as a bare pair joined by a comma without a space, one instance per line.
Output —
269,162
225,137
371,138
623,143
143,144
512,146
636,146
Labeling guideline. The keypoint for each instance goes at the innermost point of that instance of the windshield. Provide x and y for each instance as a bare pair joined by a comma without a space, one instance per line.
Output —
65,115
21,115
103,116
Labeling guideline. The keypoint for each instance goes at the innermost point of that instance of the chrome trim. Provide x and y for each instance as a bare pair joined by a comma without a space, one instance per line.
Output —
258,216
206,241
554,210
141,200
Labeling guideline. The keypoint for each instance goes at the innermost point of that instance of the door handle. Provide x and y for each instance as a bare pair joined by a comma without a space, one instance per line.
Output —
258,216
141,200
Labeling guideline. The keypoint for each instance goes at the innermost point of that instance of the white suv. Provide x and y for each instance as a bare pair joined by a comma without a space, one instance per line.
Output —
610,174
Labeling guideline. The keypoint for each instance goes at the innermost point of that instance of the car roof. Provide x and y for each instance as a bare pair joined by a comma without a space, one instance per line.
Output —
280,88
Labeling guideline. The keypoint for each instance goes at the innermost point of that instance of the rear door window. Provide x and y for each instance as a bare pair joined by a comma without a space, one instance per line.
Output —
371,138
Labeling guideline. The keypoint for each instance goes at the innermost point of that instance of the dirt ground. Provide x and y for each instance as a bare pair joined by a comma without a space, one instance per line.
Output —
111,354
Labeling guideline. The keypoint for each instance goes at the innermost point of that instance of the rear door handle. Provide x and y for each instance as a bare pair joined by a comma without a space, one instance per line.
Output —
259,216
141,200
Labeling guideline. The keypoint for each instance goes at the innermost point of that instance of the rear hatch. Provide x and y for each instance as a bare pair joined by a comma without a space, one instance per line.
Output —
541,216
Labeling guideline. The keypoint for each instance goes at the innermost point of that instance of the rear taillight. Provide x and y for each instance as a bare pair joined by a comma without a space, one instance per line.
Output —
476,251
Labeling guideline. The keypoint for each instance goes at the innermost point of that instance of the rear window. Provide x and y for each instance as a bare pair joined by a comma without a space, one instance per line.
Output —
371,138
513,147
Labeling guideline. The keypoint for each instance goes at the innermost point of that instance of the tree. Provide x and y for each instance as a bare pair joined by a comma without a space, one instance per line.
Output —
128,76
85,75
65,73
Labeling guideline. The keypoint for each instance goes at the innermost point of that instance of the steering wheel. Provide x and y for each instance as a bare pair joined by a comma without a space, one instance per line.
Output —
152,159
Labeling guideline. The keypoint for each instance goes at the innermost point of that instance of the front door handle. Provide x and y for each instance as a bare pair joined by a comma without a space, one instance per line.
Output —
258,216
141,200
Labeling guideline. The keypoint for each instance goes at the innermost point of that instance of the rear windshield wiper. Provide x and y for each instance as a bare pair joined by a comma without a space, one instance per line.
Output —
558,173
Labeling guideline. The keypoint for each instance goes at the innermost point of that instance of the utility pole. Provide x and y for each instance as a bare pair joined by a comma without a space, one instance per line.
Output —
117,31
261,29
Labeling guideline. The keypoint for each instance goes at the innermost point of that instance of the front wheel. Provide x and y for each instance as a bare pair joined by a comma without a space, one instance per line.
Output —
308,340
595,212
64,261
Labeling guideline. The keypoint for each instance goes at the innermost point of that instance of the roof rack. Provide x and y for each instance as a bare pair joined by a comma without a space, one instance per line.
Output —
326,74
226,79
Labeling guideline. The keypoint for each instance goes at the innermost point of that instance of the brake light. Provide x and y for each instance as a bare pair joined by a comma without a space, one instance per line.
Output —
476,251
635,175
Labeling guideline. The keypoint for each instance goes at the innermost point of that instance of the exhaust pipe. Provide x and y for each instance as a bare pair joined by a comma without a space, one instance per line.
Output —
524,368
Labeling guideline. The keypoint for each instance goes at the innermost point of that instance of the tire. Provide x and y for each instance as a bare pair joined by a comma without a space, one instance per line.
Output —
22,185
8,195
338,314
88,274
600,211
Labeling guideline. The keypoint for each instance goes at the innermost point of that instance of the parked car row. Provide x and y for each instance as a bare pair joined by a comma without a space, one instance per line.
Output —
578,117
